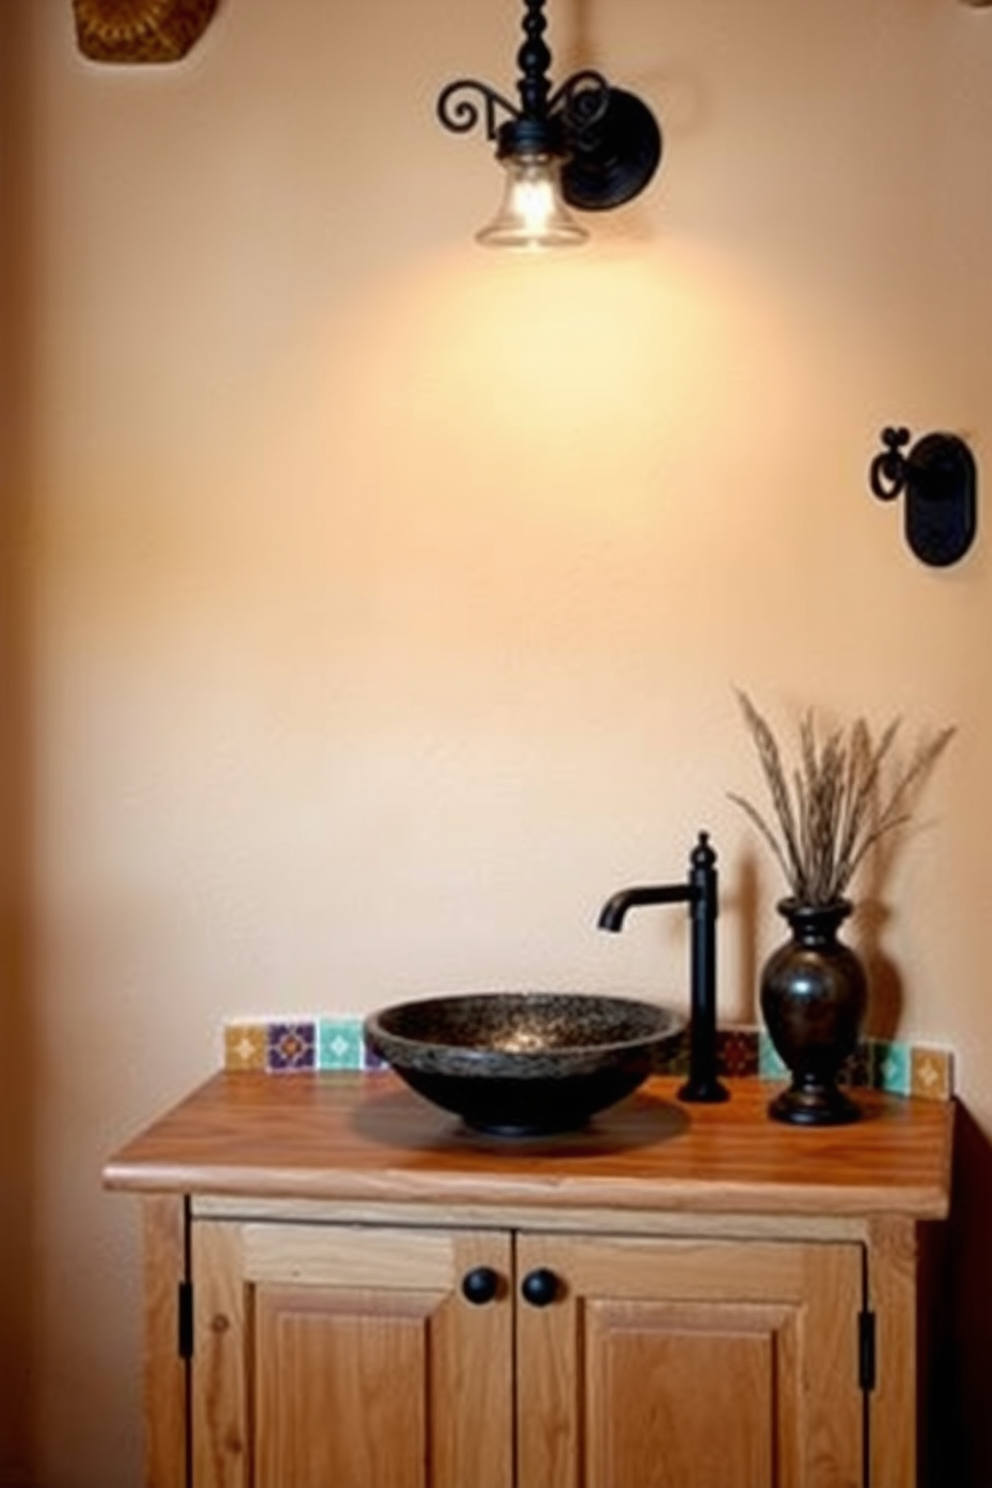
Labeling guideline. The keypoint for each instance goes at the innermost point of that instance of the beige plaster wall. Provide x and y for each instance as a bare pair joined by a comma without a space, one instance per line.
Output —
375,605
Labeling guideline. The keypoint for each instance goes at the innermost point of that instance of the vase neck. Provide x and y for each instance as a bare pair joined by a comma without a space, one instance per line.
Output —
815,924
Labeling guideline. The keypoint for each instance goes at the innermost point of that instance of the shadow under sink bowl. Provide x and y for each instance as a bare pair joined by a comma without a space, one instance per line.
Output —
523,1063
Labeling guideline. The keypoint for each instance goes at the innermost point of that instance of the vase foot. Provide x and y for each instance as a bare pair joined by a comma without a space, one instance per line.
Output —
817,1105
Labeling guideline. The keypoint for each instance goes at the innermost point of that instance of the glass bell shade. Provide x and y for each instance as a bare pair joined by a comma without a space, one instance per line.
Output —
532,213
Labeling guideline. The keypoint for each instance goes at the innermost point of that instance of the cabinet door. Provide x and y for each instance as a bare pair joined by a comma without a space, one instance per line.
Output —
349,1356
671,1364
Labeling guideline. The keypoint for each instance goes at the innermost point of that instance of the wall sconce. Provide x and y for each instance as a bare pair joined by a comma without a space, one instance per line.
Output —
586,145
938,479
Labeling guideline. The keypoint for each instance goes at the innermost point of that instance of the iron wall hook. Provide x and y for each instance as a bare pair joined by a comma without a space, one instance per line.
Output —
939,480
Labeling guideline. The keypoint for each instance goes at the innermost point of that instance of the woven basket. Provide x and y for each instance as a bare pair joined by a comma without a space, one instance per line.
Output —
140,30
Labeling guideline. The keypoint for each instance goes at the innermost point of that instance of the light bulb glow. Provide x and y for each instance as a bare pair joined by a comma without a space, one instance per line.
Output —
532,213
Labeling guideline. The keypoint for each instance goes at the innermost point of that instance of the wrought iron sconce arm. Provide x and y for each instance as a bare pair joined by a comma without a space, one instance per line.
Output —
460,113
607,141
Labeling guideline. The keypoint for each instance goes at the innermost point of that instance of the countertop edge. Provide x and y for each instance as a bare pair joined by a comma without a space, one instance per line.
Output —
367,1140
684,1195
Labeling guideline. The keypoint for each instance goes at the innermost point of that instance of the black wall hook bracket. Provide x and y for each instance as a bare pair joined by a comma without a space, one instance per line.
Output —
939,480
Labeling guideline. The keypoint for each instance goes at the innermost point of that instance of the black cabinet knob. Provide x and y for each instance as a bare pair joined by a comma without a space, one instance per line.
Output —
480,1285
540,1287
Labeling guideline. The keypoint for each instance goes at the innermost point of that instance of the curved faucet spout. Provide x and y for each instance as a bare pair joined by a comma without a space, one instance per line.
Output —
614,911
699,891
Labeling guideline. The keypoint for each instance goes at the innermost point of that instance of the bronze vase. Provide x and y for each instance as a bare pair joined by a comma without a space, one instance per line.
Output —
813,997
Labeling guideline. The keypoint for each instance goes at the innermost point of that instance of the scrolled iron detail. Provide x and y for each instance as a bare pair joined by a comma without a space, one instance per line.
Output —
583,99
888,470
461,113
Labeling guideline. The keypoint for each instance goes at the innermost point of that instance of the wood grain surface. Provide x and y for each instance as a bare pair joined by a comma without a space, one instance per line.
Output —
346,1136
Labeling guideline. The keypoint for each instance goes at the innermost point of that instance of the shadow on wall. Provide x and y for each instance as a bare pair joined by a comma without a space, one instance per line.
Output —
964,1433
17,1095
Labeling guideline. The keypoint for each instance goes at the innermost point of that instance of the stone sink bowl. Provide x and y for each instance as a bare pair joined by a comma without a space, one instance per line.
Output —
523,1063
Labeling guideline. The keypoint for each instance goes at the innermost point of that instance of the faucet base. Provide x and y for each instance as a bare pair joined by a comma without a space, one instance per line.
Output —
707,1090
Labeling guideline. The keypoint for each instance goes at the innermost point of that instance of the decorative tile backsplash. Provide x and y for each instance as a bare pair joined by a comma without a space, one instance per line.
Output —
334,1042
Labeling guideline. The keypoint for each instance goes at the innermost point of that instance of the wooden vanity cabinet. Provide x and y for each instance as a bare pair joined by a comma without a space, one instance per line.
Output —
691,1364
344,1288
347,1356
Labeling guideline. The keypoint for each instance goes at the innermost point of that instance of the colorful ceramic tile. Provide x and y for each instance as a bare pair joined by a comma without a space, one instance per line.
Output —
340,1044
371,1060
737,1051
335,1041
932,1073
770,1065
858,1069
245,1045
291,1046
673,1059
890,1066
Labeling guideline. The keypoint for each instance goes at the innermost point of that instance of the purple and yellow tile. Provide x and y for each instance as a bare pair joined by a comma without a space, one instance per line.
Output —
245,1045
335,1042
932,1073
291,1046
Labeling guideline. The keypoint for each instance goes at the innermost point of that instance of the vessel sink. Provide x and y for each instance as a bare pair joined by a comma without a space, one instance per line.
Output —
523,1063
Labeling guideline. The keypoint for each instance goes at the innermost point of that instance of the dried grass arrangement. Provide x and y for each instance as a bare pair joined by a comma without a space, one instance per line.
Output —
836,802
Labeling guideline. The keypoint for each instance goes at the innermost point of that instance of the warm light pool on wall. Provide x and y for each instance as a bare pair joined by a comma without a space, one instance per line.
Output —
584,144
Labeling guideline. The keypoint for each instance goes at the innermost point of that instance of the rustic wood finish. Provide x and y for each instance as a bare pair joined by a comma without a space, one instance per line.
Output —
164,1371
713,1266
700,1365
366,1137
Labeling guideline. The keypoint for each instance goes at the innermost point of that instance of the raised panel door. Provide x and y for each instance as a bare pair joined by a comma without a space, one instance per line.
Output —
676,1364
349,1356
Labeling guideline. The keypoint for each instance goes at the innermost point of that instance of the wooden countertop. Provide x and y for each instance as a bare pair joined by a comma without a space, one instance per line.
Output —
367,1138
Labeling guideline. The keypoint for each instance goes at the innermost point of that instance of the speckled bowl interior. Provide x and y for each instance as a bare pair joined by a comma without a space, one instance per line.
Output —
521,1063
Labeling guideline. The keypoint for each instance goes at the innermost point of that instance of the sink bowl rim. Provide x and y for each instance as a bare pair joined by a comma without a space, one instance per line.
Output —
526,1062
519,1092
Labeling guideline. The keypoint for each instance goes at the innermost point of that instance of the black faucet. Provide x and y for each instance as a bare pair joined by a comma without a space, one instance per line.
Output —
700,893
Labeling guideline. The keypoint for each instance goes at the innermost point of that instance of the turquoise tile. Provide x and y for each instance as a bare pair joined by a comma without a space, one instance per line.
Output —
891,1067
340,1045
770,1065
336,1042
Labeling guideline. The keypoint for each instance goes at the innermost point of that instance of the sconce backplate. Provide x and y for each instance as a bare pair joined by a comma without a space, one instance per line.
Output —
615,158
938,481
940,499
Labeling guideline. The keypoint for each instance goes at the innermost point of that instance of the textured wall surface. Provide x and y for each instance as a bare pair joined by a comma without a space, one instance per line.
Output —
373,606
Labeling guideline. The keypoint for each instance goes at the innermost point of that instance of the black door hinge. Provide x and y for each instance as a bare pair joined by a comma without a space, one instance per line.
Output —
866,1350
185,1319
